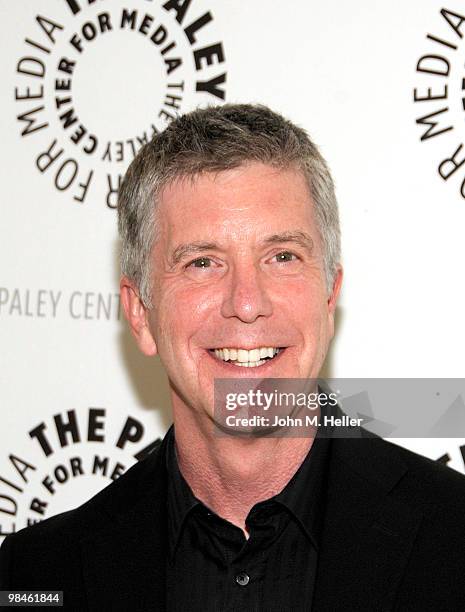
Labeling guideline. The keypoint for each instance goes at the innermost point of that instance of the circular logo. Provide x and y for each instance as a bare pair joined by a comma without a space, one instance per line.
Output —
98,79
65,460
439,96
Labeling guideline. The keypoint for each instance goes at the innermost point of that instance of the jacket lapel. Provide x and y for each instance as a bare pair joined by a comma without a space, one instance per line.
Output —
368,534
124,565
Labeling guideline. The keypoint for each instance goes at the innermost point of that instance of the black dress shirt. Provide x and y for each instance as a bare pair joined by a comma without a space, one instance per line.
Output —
212,567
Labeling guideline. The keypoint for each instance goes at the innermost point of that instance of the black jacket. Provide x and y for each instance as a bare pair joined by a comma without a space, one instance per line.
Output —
393,538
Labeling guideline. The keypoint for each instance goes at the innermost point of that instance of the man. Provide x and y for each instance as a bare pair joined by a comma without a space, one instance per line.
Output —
230,257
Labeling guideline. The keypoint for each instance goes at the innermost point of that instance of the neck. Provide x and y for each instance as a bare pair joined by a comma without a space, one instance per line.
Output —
231,474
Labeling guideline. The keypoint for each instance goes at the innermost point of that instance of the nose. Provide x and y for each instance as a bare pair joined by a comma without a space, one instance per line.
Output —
246,296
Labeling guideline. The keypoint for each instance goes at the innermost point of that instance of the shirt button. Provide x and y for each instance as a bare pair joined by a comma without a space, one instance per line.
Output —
242,579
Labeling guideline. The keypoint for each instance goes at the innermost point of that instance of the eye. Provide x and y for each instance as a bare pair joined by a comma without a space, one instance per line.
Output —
285,256
201,262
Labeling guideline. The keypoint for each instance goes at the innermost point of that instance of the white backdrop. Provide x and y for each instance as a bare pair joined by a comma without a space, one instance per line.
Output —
84,82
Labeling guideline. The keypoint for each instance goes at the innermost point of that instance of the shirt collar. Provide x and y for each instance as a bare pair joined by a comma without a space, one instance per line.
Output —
303,496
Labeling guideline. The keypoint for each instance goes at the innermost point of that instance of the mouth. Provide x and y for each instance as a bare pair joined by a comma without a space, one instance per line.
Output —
245,358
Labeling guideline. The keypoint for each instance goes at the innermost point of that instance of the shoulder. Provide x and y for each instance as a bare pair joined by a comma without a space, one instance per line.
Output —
114,499
432,473
57,538
409,475
430,482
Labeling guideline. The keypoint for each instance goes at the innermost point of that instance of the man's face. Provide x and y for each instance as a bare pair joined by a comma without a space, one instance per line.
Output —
237,269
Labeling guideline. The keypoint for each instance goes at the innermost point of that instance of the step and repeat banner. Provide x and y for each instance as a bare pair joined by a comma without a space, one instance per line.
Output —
380,87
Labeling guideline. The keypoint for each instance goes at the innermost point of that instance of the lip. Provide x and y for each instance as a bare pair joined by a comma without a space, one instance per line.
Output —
244,372
245,346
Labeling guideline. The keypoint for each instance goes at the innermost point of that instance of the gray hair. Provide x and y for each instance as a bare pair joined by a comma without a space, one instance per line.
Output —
215,139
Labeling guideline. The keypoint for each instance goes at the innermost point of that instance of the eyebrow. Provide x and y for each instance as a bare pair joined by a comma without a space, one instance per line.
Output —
192,248
298,237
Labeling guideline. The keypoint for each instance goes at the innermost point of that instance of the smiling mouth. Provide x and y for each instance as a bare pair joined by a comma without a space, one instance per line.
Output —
246,358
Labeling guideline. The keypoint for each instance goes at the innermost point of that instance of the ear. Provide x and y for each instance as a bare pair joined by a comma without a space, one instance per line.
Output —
136,315
332,299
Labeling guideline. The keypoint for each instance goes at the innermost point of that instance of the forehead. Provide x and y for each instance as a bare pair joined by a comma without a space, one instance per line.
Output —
237,203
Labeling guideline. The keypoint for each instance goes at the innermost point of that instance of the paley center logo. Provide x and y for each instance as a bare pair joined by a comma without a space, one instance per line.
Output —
64,460
98,78
439,96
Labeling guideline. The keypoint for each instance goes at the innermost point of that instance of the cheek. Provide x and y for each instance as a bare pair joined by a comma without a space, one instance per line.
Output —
304,301
183,313
308,313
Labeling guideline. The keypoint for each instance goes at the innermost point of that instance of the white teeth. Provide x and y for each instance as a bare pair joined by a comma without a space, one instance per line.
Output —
251,364
243,357
254,355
